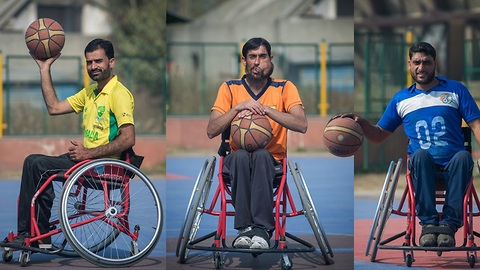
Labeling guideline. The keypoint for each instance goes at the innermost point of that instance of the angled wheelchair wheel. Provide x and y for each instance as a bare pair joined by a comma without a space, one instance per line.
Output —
386,208
110,213
380,206
311,213
194,212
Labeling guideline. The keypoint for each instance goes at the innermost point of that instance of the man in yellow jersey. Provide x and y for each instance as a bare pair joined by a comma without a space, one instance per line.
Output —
107,108
252,174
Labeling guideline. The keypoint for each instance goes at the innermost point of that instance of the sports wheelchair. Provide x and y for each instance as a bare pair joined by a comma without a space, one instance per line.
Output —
105,210
200,204
471,206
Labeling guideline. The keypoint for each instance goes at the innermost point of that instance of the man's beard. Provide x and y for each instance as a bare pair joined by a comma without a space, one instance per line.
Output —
261,77
425,81
105,73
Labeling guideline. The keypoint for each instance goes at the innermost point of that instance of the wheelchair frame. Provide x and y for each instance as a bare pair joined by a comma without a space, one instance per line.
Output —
198,205
108,183
385,209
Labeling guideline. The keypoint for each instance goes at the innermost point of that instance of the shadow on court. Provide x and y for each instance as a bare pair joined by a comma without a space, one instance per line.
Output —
330,181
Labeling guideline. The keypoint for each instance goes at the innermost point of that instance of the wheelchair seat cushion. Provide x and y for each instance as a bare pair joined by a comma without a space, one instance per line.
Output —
276,180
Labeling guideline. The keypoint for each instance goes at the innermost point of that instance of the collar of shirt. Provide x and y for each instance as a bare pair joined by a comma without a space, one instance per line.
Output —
109,86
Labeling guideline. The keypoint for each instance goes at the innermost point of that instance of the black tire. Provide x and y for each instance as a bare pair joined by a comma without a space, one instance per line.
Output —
7,256
385,214
471,261
217,260
286,265
195,208
409,260
311,213
24,259
133,206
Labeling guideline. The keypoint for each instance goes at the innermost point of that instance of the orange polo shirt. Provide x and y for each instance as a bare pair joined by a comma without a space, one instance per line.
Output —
281,95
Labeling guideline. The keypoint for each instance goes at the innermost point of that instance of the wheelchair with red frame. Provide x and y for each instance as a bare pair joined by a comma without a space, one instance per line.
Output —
105,210
200,204
385,208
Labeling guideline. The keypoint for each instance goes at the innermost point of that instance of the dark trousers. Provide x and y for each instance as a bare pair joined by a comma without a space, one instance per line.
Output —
251,179
36,169
457,174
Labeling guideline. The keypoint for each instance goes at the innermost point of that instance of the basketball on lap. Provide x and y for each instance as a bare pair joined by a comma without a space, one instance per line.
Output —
343,136
45,38
251,132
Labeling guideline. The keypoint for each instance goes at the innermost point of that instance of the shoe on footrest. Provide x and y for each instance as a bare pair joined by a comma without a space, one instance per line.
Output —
243,240
428,238
446,238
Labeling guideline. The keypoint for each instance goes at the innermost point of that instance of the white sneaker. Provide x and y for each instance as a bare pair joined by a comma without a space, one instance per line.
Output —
259,243
243,242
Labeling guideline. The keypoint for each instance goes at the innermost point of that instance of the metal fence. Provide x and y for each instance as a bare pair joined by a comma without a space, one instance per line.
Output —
195,71
24,107
380,72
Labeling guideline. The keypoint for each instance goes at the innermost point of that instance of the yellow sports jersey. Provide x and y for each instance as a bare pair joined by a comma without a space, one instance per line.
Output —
281,95
103,113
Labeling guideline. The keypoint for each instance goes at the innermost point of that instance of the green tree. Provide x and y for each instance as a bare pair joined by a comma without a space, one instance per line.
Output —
140,48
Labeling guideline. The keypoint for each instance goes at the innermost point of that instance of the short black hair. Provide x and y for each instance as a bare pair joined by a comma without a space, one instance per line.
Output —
97,43
255,43
423,47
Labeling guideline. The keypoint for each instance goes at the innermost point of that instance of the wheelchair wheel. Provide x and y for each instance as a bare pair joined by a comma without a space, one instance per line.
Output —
59,238
386,209
311,213
381,204
110,213
195,208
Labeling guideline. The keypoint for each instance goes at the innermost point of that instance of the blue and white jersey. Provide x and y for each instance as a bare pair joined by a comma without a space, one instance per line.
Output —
432,120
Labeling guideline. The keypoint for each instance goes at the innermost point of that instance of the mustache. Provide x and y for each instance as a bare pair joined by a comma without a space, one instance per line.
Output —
95,70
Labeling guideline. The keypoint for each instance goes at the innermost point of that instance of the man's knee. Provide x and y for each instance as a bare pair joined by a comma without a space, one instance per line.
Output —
261,153
421,154
239,158
30,160
420,158
463,158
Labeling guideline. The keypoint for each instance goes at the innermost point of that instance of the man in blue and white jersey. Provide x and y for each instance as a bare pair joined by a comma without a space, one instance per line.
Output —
431,111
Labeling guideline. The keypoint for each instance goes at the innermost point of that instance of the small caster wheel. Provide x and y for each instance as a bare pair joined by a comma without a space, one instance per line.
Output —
7,256
408,260
217,260
255,254
471,261
285,262
439,253
24,259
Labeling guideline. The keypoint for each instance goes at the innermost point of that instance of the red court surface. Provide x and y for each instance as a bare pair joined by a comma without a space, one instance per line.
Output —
389,259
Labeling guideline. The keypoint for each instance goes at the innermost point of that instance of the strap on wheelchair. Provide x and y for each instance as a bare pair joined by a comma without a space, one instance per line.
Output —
132,158
438,230
224,148
467,138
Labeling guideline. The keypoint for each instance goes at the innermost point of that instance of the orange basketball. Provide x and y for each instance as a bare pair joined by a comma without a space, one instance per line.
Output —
251,132
343,136
45,38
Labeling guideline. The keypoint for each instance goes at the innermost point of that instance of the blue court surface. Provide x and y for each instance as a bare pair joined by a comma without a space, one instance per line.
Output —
9,190
329,180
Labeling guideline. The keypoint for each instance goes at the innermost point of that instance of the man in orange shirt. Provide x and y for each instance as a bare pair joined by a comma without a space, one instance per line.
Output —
252,174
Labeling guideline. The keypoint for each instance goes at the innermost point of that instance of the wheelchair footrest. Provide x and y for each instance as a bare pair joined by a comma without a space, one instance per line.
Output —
307,246
442,249
14,247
